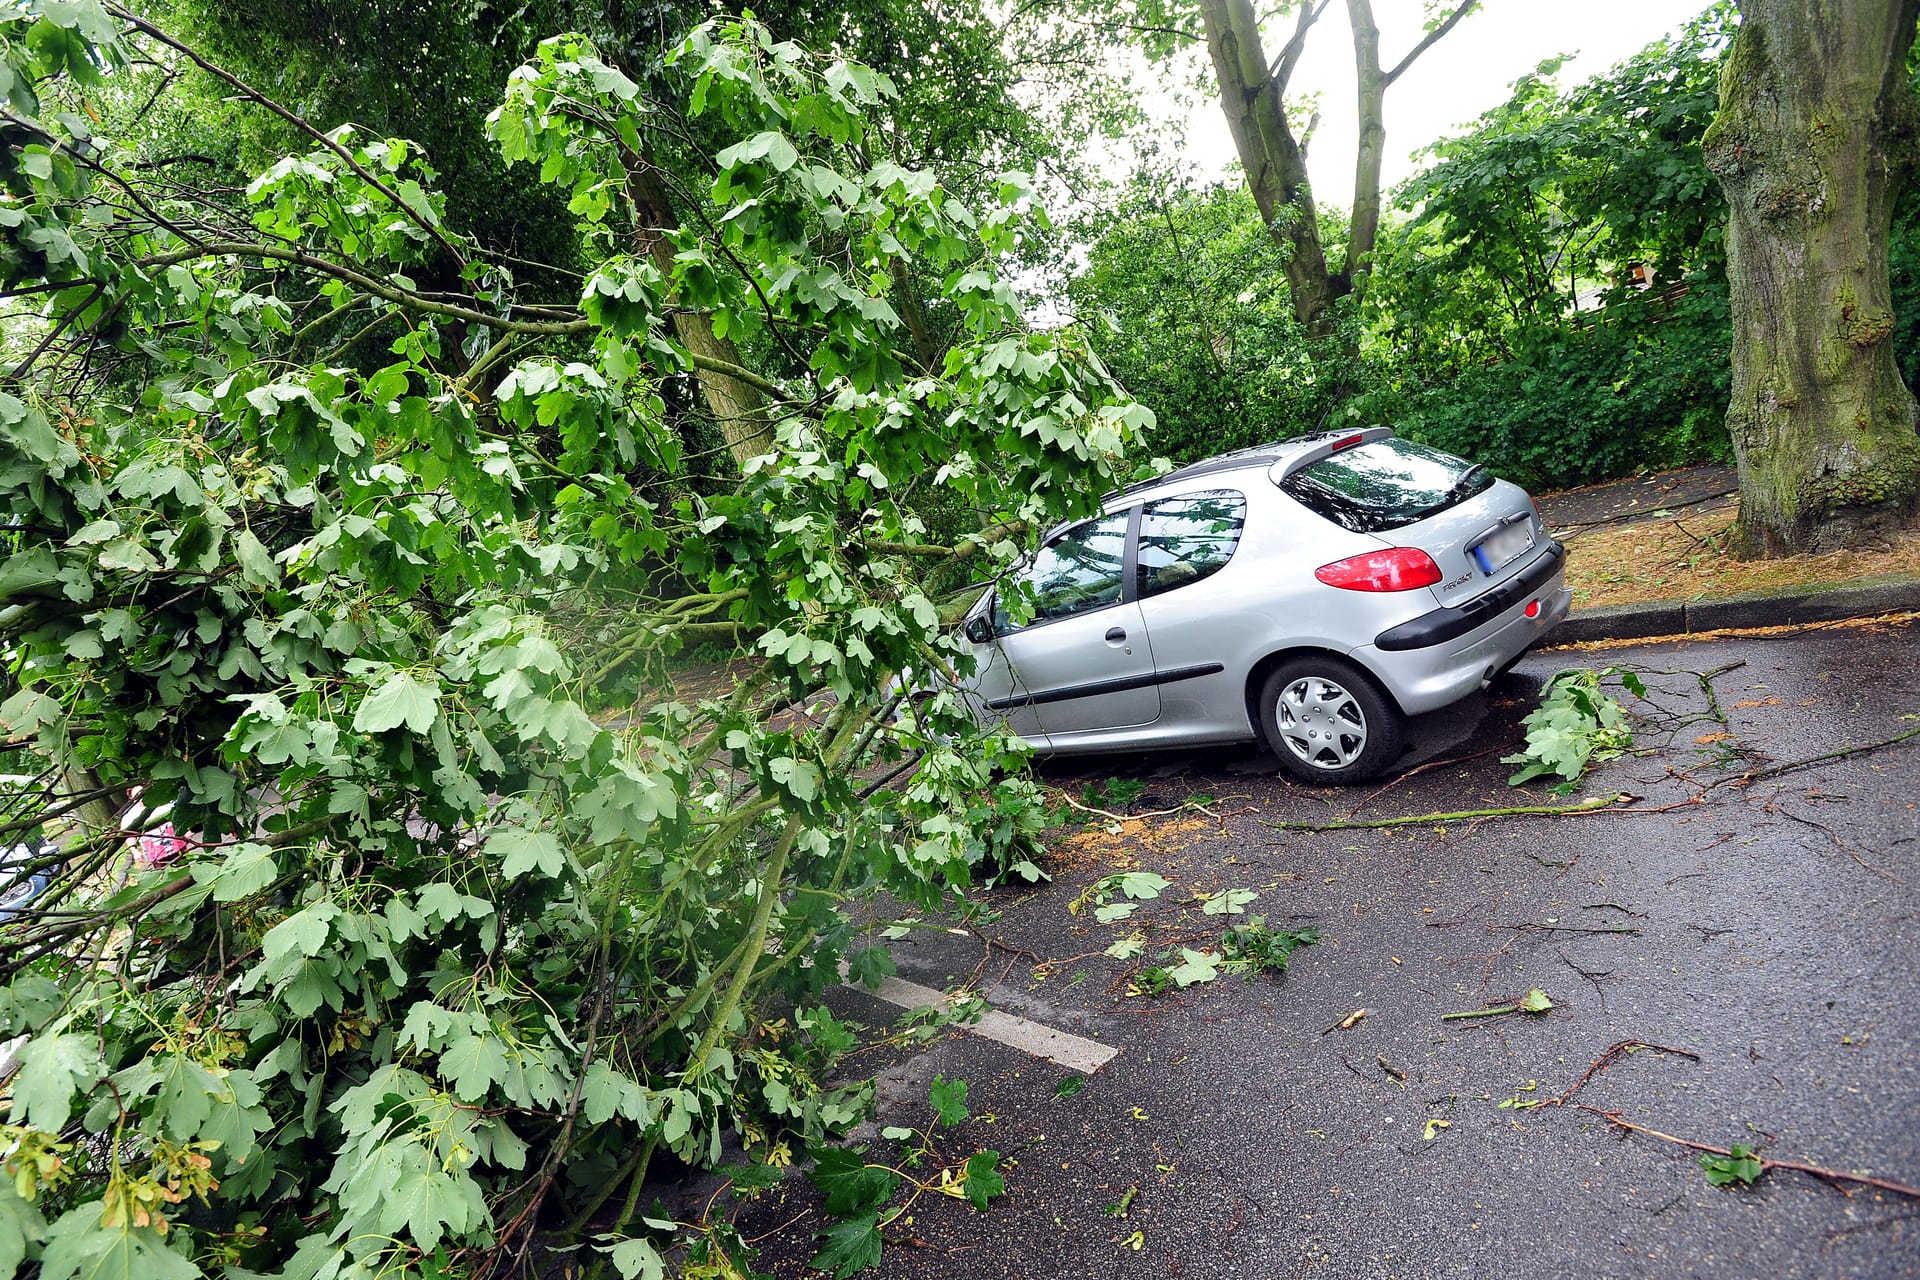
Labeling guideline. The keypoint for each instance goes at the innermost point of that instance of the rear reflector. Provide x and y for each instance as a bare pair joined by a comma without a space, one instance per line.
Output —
1390,569
1533,608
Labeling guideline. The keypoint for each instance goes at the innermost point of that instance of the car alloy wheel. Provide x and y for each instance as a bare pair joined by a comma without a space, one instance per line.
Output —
1328,722
1321,722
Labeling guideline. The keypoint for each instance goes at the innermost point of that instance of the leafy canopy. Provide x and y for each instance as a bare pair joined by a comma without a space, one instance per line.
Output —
470,893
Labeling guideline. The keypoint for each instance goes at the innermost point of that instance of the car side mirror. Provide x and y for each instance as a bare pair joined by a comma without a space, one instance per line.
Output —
978,629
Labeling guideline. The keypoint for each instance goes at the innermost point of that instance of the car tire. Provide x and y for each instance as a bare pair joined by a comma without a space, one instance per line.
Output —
1328,722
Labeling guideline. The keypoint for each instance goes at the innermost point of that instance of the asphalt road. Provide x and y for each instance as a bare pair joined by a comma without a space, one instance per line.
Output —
1767,930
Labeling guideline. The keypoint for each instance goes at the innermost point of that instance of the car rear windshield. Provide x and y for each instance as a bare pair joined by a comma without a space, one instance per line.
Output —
1385,484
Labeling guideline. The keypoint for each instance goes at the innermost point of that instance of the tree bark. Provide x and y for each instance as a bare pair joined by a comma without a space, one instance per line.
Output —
737,406
1250,95
1815,137
1364,230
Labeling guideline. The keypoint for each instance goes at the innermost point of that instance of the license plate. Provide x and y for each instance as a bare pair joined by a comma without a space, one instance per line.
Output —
1501,547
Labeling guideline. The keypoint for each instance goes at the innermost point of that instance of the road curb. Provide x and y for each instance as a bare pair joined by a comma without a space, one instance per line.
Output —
1757,609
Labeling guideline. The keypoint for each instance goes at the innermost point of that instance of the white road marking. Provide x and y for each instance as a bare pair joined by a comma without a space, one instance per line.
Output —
1073,1052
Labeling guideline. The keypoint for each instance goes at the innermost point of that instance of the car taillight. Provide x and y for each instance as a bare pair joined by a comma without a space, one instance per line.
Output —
1391,569
1348,443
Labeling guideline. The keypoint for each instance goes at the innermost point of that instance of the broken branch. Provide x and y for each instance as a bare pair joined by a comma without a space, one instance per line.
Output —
1766,1163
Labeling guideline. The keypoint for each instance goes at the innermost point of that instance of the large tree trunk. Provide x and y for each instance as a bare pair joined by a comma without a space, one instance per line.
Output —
1250,95
1815,136
736,405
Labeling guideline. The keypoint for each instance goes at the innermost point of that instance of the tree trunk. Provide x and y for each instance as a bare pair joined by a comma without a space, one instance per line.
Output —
1364,231
1815,136
736,405
1250,95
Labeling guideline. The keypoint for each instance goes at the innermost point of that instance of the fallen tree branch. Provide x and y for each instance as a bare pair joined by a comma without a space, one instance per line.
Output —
1773,771
1371,796
1135,817
1766,1163
1616,1051
1598,804
1528,926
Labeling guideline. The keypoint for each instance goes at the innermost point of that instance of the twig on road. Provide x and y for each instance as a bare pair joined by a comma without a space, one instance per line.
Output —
1531,926
1831,1176
1593,976
1773,771
1616,1051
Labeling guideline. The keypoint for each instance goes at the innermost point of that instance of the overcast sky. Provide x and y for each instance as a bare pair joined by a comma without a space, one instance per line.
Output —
1453,82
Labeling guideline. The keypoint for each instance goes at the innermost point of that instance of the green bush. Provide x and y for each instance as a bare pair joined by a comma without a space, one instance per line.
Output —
1642,387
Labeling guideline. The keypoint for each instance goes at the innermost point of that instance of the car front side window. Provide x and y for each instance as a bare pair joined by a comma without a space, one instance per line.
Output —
1082,570
1186,539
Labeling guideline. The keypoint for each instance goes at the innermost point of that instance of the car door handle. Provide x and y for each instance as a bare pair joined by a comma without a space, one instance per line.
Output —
1116,636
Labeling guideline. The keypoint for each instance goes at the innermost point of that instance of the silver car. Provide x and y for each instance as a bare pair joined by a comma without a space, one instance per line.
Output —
1313,593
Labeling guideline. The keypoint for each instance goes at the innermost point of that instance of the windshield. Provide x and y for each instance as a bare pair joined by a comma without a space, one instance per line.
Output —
1385,484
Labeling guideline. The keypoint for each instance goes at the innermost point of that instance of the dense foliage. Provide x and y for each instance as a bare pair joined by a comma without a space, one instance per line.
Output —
401,900
1183,294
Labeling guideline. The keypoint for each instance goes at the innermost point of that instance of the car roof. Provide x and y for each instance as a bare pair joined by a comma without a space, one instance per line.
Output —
1260,455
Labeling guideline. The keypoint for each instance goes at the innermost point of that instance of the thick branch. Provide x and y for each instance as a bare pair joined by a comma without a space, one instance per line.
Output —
1282,70
1433,37
378,288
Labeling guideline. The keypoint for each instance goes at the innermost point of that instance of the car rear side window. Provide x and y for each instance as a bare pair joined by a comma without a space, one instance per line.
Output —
1385,484
1185,539
1077,572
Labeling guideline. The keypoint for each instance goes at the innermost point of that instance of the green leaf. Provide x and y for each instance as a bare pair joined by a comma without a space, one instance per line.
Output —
438,899
1140,884
20,1226
98,531
1126,948
431,1202
23,715
472,1064
304,932
1195,967
79,1248
1231,903
637,1260
128,555
1113,912
870,966
256,562
606,1093
948,1098
52,1068
26,428
983,1181
1741,1166
398,700
847,1246
1070,1087
1535,1001
521,851
236,1119
850,1184
246,870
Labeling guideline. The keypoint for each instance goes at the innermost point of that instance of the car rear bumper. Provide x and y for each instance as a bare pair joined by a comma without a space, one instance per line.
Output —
1465,647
